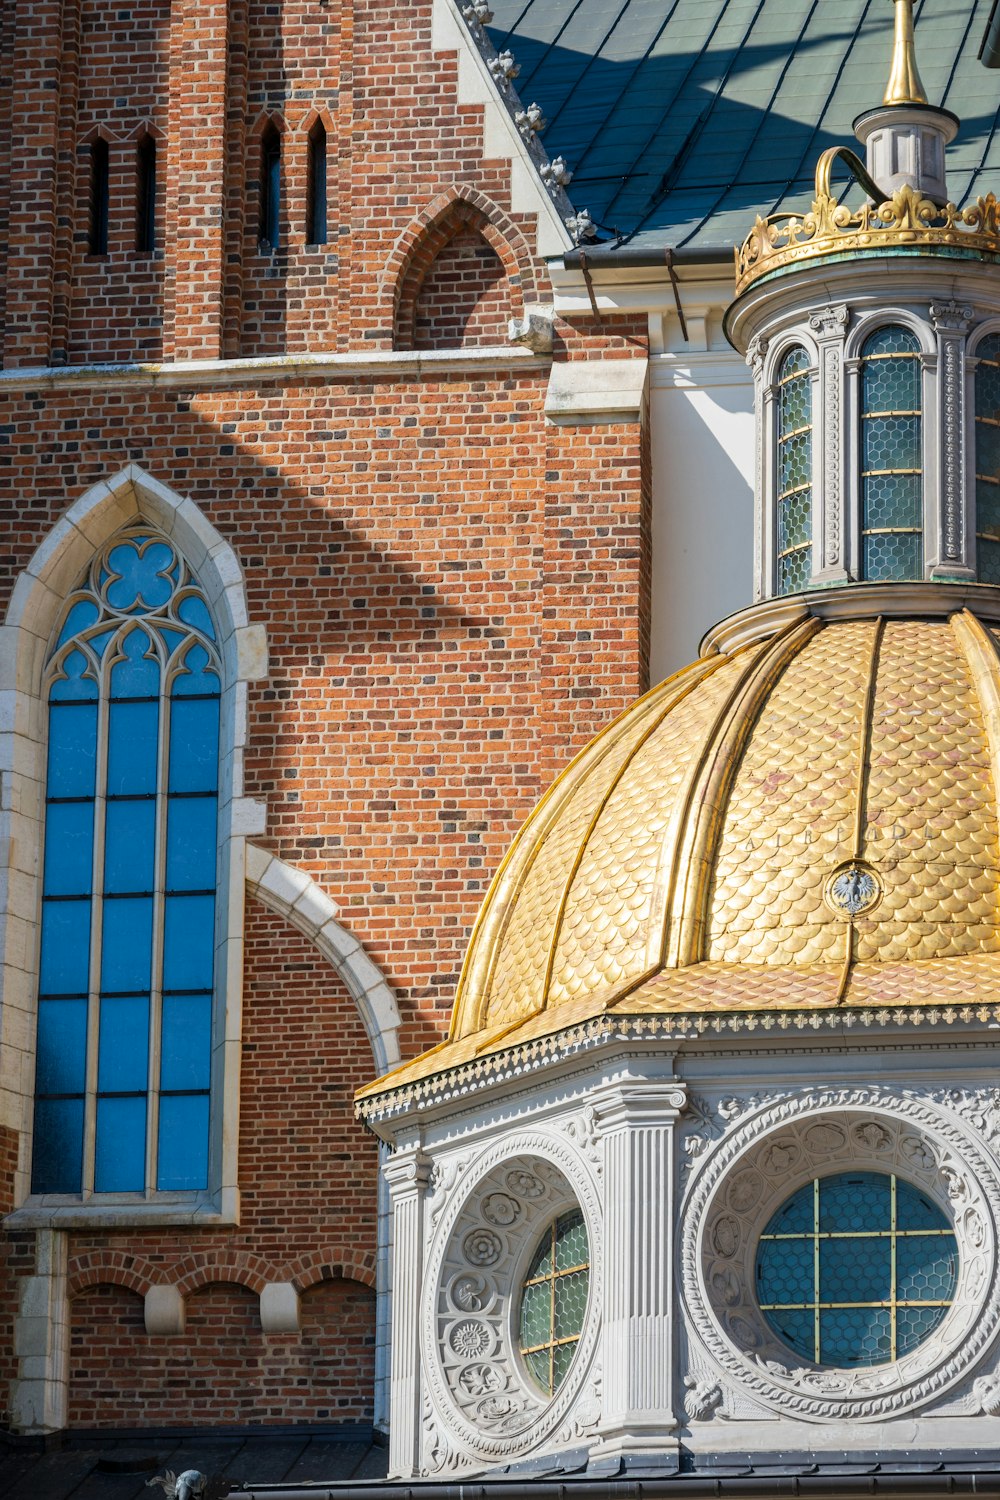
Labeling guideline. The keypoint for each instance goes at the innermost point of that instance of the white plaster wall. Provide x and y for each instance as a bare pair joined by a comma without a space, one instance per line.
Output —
701,415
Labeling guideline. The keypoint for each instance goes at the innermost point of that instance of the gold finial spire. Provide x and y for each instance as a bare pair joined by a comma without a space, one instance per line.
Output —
904,85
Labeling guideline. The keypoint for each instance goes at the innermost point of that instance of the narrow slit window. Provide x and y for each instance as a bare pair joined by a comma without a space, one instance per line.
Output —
988,460
316,228
892,487
795,457
126,977
100,189
270,189
145,226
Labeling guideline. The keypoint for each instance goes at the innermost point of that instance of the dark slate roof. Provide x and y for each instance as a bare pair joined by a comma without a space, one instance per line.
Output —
118,1466
682,118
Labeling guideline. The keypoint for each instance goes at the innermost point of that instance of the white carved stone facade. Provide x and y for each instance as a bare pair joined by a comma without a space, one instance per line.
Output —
677,1150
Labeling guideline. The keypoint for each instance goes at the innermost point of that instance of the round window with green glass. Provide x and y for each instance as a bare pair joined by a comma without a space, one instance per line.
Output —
554,1301
856,1269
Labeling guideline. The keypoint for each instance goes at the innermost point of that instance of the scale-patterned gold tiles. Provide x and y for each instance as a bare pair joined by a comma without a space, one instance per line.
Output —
808,823
858,741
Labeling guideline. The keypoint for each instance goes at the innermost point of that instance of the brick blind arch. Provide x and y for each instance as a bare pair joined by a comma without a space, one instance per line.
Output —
459,282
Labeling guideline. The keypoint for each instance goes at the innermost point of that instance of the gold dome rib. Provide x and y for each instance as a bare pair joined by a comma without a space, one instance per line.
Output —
981,653
860,797
692,840
486,942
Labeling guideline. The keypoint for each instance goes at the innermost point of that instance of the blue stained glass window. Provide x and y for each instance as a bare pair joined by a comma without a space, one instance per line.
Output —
123,1049
129,846
133,743
65,948
186,1045
988,459
189,943
795,459
60,1063
856,1269
127,945
72,760
191,844
69,848
120,1165
183,1155
892,491
57,1160
128,921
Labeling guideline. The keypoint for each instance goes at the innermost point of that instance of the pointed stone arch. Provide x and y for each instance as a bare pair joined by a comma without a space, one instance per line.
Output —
131,496
460,209
289,891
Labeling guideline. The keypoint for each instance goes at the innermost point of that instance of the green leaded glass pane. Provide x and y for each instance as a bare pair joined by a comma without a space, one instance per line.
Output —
554,1301
571,1242
794,476
988,459
571,1304
891,340
856,1269
794,521
536,1314
988,560
794,570
987,448
893,557
795,462
890,443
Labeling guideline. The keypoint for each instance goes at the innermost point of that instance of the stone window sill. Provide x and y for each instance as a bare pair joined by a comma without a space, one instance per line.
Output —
192,1210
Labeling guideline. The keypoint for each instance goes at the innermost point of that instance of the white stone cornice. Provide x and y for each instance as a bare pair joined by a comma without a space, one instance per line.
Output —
419,364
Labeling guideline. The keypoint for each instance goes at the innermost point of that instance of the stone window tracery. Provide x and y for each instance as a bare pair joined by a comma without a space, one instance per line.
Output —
127,958
891,457
795,463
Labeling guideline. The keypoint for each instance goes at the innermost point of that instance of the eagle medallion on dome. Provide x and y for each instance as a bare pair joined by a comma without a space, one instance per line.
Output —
853,889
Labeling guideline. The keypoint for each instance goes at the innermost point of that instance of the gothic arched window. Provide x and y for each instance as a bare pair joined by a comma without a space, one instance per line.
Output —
126,971
892,491
269,232
795,434
316,213
988,460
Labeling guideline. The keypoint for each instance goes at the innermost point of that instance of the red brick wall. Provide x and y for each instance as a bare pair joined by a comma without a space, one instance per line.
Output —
115,300
455,591
205,74
465,297
223,1369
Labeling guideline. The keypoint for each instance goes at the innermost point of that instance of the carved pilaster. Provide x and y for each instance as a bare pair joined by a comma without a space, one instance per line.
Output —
955,540
763,406
406,1173
638,1127
829,325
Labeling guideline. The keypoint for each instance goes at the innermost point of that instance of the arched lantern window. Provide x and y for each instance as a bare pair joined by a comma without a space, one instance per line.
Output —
988,460
795,458
892,490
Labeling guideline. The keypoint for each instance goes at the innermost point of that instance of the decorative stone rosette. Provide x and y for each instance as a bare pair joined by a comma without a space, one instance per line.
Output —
485,1406
768,1155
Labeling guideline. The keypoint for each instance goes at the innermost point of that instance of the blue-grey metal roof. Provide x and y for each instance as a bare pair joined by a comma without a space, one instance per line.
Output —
683,118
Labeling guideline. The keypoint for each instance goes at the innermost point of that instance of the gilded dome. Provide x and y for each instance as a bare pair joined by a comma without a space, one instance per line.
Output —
804,818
